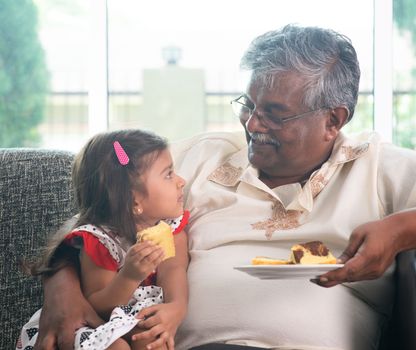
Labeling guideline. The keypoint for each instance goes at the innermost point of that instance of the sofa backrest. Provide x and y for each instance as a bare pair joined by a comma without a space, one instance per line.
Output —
35,199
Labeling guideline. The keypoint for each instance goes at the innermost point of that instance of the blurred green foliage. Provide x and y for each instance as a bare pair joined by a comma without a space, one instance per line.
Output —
363,115
23,74
404,16
405,120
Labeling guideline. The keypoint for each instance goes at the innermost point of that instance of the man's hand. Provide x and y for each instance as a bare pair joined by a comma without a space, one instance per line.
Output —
371,250
65,310
57,330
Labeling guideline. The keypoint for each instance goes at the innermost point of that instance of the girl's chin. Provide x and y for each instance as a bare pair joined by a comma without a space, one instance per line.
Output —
176,214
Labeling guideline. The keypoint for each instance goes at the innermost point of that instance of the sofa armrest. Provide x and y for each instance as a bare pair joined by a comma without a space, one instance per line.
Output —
401,332
35,198
405,304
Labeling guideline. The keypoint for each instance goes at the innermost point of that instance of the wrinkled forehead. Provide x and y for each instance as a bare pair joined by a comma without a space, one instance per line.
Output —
273,79
265,80
275,86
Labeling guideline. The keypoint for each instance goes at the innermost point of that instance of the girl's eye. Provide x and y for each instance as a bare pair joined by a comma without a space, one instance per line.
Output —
169,174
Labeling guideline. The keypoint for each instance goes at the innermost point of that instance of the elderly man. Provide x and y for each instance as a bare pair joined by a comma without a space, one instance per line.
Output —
302,180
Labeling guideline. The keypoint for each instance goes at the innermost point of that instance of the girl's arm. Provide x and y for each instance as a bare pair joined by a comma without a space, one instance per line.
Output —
163,320
171,275
64,311
106,289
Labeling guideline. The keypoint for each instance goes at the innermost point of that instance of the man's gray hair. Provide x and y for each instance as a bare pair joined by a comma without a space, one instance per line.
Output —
324,57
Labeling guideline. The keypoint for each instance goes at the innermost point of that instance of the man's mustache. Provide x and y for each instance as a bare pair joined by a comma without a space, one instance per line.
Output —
260,138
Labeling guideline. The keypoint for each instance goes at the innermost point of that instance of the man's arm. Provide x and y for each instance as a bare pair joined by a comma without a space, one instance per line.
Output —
64,311
372,248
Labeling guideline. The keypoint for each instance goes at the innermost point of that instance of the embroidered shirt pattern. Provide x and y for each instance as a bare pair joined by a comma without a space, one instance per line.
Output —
281,219
226,174
350,152
318,183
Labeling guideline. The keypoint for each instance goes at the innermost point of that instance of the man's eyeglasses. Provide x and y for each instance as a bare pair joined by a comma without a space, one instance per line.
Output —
272,122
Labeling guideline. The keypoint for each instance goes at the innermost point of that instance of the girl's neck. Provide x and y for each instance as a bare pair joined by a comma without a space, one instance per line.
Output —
144,225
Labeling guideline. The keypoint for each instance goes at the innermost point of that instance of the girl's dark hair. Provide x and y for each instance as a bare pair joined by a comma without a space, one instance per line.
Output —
104,189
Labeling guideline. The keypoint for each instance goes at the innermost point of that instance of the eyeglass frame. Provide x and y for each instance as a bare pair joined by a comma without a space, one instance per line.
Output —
276,123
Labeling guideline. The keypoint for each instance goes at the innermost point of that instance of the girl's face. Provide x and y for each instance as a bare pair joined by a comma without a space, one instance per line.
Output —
164,199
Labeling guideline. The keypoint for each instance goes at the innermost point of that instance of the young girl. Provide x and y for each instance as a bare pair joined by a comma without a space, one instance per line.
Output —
124,182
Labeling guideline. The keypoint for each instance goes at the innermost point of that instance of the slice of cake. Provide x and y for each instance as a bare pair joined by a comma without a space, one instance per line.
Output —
264,260
162,235
309,253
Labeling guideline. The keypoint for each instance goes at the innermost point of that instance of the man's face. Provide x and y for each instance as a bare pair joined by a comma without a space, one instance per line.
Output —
300,146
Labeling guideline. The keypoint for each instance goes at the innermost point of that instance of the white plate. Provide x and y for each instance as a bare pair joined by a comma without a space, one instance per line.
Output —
274,272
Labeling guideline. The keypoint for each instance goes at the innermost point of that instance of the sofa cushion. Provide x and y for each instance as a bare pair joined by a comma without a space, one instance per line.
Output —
35,199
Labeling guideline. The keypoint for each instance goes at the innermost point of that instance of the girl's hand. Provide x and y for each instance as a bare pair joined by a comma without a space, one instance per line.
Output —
141,260
161,322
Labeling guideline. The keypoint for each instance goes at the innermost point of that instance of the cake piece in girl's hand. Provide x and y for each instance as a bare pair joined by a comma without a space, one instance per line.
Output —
160,234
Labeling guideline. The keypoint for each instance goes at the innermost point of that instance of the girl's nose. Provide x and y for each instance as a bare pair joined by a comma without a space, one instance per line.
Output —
181,181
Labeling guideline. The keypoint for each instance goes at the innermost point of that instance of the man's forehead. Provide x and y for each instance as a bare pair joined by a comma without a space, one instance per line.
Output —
273,80
276,87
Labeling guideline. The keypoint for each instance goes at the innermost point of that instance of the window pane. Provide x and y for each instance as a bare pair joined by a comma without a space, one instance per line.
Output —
63,31
146,88
404,75
174,66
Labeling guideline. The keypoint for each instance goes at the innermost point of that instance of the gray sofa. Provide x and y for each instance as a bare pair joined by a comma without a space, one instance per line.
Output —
36,197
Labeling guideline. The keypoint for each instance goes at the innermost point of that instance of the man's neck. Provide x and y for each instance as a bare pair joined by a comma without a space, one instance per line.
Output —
276,181
273,181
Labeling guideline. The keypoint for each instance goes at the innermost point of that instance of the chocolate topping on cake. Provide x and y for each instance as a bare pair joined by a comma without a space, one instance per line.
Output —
314,252
297,254
316,248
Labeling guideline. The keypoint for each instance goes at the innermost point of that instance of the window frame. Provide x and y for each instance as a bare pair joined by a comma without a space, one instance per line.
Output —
98,115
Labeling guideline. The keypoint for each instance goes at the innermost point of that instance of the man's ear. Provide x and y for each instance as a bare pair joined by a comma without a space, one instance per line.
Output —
338,117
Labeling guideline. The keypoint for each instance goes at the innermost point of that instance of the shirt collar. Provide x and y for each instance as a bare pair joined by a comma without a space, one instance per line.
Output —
348,149
232,170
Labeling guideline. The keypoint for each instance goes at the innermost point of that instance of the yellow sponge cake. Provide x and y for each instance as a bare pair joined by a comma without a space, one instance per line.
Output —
264,260
309,253
161,234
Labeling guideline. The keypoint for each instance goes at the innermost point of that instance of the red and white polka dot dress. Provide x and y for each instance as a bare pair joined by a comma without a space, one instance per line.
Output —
106,250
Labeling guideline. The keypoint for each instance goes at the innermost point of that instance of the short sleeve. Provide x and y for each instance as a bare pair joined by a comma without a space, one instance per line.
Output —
179,223
97,251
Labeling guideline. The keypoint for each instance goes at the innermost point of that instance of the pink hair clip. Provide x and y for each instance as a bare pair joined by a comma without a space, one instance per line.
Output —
121,154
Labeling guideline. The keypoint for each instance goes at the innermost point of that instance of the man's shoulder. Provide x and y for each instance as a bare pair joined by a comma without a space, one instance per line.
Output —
203,153
388,155
380,144
223,142
398,153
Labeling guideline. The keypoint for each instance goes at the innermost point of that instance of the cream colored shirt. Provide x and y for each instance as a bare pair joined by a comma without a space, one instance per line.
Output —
235,217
